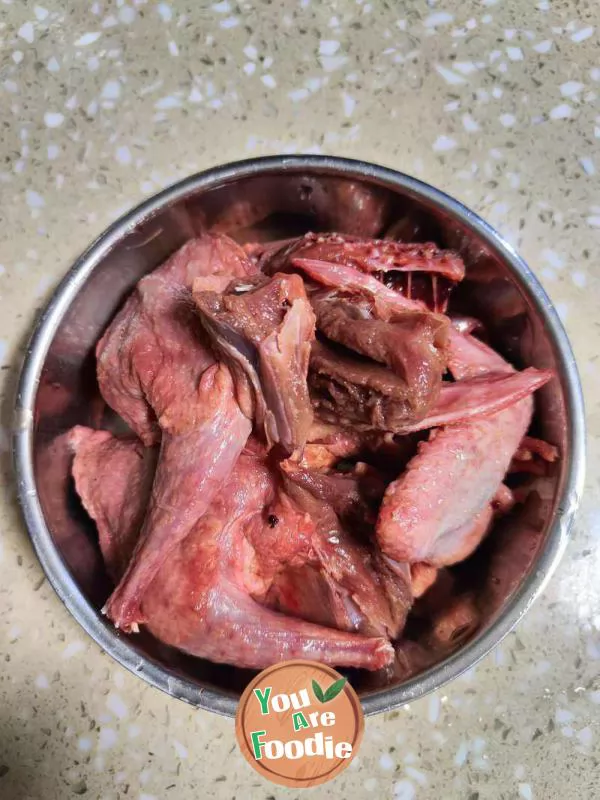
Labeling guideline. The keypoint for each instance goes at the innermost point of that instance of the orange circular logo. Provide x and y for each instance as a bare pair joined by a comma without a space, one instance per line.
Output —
299,723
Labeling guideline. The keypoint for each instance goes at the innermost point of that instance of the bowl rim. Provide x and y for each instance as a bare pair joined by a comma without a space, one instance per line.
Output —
117,645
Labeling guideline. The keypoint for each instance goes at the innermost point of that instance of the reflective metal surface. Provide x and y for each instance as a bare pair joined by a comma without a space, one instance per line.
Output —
273,198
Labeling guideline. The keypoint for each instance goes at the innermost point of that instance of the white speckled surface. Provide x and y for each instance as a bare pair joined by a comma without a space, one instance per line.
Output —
494,101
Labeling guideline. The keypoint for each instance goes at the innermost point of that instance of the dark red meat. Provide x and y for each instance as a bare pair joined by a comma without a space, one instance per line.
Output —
354,495
479,397
263,329
108,473
357,392
411,343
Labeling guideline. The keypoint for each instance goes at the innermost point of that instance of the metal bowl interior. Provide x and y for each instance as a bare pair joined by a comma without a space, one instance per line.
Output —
273,198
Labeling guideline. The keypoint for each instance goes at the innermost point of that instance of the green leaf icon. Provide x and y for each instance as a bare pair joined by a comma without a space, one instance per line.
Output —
318,692
329,694
334,689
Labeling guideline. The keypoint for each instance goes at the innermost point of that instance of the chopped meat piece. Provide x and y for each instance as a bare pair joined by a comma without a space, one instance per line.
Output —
461,467
357,392
402,340
200,599
119,470
368,255
152,357
193,466
264,329
297,577
479,397
224,624
534,457
411,343
353,495
362,594
156,371
351,391
420,271
204,605
210,255
153,351
343,277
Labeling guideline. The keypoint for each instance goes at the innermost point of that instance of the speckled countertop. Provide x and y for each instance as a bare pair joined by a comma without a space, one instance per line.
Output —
494,101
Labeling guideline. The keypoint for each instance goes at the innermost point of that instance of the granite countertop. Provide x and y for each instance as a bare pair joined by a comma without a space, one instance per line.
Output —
495,102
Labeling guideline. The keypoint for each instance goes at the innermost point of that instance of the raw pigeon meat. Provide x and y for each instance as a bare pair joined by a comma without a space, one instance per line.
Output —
340,276
462,467
156,371
263,329
478,396
200,600
109,473
410,343
368,255
153,350
419,271
354,494
319,442
350,574
356,392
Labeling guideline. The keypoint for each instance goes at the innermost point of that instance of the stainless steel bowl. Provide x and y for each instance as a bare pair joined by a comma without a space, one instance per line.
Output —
264,198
